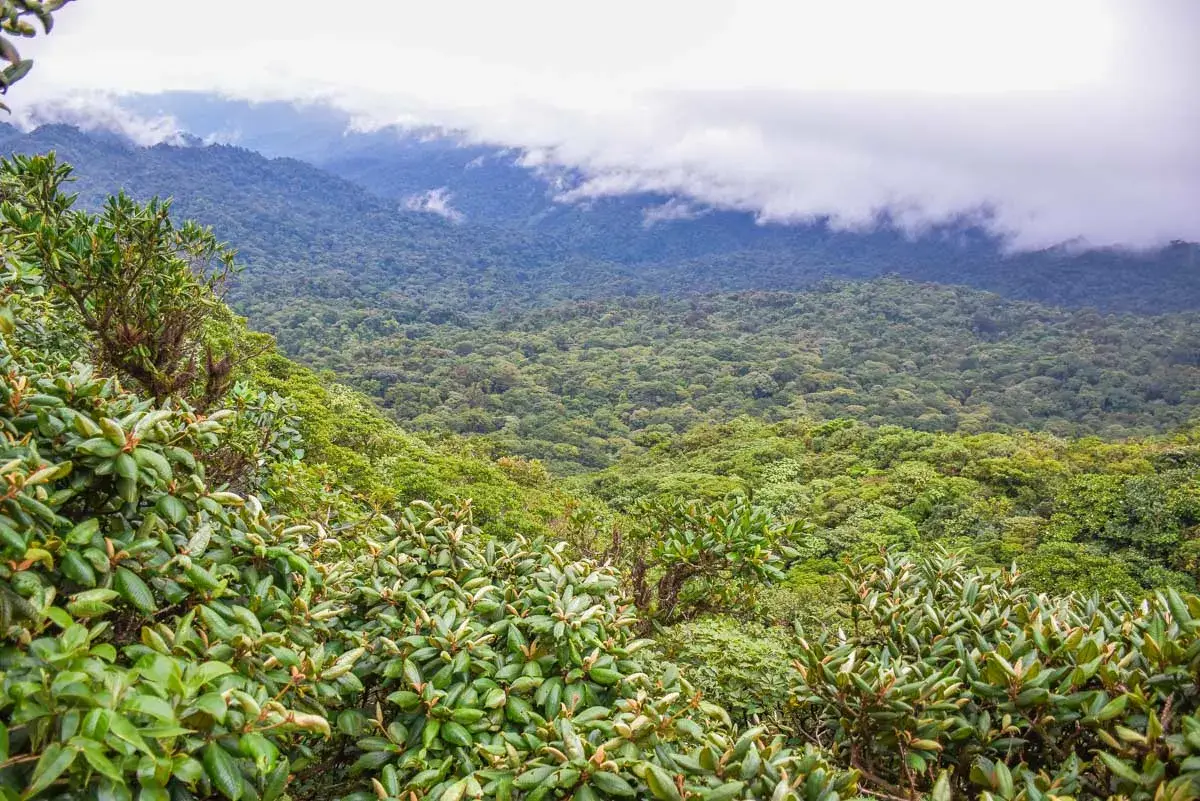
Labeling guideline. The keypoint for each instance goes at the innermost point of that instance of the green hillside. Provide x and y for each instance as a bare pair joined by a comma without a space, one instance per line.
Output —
876,540
578,384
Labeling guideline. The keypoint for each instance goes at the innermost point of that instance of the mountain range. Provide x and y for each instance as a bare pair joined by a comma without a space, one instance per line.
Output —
429,223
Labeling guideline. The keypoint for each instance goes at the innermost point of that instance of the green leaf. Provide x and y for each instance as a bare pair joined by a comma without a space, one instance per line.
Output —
113,431
100,595
77,569
17,71
661,784
1113,708
134,590
941,788
726,792
187,770
261,750
171,508
534,777
108,790
1119,767
614,785
455,734
166,731
53,763
83,533
276,781
154,461
124,466
198,542
98,446
151,706
206,673
223,771
121,727
95,756
152,791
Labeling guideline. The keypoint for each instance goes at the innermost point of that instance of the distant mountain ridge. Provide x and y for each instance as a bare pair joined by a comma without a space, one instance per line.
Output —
346,216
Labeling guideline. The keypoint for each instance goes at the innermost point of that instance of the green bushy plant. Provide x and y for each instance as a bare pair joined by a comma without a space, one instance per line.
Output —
140,611
507,669
686,555
743,666
145,288
952,681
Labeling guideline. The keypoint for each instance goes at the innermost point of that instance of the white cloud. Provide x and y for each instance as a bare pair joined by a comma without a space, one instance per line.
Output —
93,111
434,201
671,210
230,136
1059,120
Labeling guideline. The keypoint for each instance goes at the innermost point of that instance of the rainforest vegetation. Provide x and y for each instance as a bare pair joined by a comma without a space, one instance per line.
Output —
885,539
576,385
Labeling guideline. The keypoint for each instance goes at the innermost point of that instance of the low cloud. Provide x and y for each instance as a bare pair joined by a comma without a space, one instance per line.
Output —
225,136
100,112
1038,170
434,201
672,210
1048,122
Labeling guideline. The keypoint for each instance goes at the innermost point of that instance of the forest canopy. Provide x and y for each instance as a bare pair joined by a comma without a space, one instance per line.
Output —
576,385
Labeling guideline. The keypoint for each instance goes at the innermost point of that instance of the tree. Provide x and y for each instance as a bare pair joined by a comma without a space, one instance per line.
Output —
148,290
725,547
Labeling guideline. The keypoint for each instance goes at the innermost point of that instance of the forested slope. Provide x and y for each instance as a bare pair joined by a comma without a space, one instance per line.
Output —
577,384
225,576
305,233
1074,514
676,243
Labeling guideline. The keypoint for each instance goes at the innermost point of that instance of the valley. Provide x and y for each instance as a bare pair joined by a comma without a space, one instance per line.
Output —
461,486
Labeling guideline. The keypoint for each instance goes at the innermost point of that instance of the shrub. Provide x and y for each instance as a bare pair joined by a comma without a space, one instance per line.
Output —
685,556
744,667
144,288
953,680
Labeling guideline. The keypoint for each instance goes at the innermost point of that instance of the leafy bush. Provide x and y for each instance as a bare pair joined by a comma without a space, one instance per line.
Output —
684,555
949,679
744,667
146,289
507,669
141,611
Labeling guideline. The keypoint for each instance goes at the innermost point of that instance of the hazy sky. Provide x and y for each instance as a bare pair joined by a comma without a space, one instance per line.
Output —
1063,118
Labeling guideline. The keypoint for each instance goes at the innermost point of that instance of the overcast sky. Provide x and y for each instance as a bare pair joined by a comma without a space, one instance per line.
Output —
1061,119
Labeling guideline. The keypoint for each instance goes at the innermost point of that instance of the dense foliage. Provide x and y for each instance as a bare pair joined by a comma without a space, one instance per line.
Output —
954,682
1073,513
165,637
223,575
576,385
